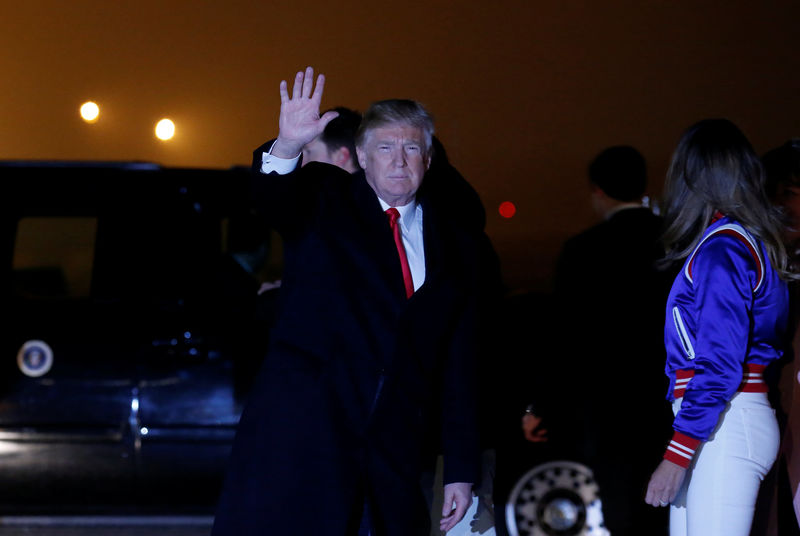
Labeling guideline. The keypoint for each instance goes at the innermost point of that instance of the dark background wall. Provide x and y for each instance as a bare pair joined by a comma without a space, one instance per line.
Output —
525,92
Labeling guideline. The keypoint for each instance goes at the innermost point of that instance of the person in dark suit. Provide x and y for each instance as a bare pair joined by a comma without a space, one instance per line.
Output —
369,345
611,299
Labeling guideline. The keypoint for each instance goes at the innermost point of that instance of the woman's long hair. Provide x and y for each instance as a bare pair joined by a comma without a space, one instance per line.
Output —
714,168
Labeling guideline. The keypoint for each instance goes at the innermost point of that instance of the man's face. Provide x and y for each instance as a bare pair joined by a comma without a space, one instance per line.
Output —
316,151
394,158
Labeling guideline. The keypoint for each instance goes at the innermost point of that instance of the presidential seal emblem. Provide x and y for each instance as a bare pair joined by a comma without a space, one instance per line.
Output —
35,358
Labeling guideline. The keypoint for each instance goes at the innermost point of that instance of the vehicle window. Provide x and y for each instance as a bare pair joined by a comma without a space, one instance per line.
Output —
261,252
53,257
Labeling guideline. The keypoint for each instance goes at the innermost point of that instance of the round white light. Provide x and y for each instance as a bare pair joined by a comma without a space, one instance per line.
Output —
90,111
165,129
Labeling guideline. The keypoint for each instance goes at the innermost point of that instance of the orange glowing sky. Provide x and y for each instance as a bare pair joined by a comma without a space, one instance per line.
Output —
525,92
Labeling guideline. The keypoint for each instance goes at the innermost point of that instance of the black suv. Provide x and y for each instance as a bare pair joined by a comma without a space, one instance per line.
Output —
129,337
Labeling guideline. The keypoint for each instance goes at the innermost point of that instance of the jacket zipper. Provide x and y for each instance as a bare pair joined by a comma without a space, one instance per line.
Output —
682,335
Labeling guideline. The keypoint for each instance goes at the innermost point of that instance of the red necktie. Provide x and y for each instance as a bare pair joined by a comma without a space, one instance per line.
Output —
394,215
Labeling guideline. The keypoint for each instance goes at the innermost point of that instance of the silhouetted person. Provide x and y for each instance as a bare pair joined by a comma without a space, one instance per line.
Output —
337,143
233,287
782,167
610,298
778,507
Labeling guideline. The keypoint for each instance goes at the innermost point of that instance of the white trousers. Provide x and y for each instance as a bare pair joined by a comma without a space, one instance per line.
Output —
719,492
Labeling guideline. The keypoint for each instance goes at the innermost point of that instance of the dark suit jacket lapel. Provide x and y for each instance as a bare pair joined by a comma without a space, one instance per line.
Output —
378,235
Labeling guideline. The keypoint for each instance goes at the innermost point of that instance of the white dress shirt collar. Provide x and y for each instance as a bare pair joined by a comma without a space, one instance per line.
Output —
408,213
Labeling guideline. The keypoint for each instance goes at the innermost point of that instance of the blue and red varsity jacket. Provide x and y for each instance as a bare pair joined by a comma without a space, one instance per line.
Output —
727,315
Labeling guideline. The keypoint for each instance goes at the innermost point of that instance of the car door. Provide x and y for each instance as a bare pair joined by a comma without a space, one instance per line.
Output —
198,326
66,383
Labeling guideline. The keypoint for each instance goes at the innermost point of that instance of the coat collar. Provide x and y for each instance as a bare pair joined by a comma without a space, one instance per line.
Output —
380,242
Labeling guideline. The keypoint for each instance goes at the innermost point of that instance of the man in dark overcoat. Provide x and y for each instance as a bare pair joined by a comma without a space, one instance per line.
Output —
611,297
375,337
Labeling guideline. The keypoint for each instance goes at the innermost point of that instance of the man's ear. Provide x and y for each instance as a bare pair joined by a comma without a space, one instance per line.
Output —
341,157
362,157
598,193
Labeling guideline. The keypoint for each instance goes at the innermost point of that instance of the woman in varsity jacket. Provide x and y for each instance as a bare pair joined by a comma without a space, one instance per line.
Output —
726,322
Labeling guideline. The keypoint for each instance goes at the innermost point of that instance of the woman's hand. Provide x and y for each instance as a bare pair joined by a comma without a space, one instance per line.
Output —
664,484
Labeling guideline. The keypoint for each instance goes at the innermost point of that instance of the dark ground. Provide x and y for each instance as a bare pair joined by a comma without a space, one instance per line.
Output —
105,525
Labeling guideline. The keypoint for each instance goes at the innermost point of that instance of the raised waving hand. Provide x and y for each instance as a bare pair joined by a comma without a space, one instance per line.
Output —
300,121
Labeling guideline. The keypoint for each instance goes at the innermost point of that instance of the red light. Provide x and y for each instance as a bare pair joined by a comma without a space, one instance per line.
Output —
507,209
